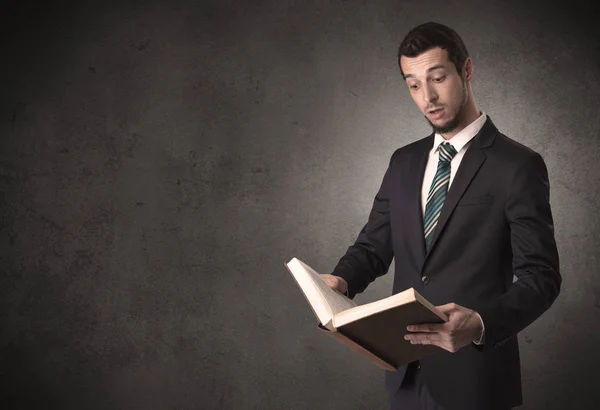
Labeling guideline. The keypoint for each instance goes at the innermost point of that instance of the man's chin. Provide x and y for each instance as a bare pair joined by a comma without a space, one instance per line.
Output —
445,127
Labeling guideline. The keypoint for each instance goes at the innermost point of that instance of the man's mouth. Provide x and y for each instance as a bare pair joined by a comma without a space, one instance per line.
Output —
435,113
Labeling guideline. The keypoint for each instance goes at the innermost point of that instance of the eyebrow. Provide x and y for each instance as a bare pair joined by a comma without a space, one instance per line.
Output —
430,69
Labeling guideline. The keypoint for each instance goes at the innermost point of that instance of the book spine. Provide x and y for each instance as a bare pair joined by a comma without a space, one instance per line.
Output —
382,364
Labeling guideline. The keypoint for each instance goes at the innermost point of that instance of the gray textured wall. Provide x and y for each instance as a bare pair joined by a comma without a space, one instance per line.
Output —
160,162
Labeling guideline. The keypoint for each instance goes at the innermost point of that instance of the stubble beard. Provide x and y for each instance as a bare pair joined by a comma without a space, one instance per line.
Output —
454,122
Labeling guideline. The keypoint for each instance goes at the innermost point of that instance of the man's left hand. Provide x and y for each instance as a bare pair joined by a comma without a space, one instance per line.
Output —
463,327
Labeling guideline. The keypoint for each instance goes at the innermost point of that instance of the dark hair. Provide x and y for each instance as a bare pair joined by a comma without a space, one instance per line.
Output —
429,35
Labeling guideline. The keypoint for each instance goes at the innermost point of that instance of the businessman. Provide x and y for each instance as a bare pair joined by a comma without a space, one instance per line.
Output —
460,212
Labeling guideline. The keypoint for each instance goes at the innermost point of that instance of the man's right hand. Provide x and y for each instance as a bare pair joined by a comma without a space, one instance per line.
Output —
335,282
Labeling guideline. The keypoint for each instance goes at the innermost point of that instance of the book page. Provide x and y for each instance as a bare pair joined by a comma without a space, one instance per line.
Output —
325,301
336,301
409,295
368,309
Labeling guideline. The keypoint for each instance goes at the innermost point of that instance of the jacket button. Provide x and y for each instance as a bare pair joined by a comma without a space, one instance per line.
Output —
425,279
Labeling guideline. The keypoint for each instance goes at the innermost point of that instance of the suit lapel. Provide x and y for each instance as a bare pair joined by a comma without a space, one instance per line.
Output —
470,164
418,163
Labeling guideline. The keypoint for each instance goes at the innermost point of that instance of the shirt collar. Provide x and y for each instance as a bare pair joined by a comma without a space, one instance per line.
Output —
464,136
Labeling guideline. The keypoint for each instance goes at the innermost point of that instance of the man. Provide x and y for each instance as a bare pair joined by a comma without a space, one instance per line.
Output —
460,211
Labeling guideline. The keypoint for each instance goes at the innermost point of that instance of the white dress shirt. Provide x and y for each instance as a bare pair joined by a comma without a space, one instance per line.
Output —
461,143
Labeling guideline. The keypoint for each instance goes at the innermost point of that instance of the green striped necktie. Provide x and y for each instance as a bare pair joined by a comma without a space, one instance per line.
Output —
438,191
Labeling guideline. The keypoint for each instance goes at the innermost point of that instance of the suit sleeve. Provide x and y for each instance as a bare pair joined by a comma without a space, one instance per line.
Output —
371,254
534,256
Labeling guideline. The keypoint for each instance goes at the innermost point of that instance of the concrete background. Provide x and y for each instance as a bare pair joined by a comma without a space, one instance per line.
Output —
160,161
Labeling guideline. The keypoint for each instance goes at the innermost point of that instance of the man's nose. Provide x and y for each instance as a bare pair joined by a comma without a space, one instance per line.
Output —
429,94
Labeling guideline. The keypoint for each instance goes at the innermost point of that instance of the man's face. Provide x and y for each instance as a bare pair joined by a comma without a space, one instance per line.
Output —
437,88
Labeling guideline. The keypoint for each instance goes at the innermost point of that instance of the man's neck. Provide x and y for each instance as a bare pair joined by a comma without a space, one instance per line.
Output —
470,115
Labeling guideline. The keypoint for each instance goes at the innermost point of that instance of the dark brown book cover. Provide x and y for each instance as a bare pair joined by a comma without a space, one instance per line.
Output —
358,349
382,334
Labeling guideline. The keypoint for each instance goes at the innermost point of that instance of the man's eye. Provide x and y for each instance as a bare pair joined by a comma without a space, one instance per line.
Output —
413,86
439,79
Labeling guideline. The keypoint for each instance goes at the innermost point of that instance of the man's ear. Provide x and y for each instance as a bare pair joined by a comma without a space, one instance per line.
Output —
468,69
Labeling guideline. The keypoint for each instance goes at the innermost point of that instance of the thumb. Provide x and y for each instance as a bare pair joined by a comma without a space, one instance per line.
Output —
341,284
447,308
335,282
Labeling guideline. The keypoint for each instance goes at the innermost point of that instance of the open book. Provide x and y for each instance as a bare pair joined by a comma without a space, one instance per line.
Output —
375,330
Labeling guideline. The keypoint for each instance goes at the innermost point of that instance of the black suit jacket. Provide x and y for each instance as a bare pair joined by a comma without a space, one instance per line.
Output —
496,222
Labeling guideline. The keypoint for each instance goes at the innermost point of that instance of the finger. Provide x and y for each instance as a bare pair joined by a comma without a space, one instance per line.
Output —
427,327
335,282
424,338
447,307
330,280
343,286
428,339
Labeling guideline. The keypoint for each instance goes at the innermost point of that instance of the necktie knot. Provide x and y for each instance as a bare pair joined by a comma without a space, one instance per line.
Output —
447,152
